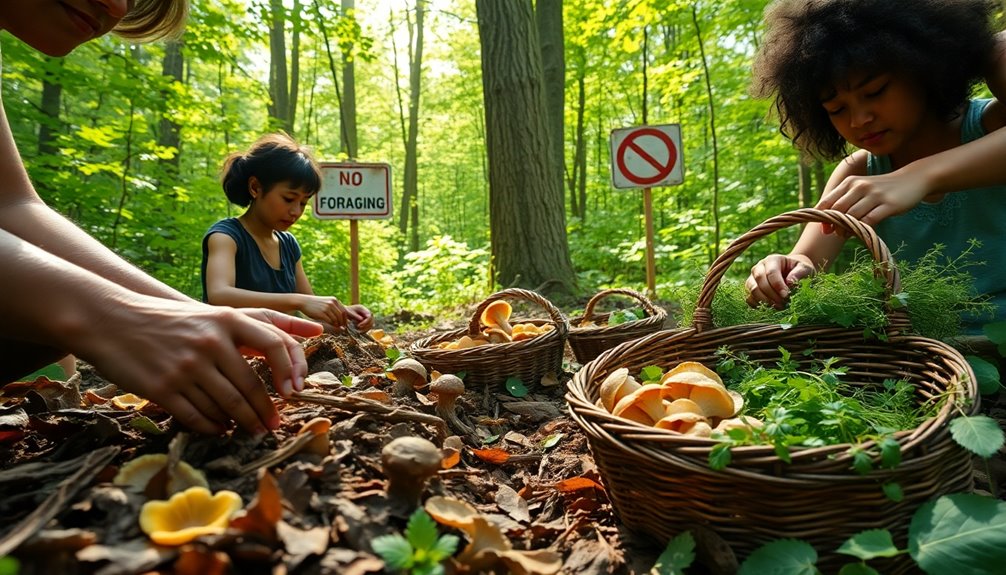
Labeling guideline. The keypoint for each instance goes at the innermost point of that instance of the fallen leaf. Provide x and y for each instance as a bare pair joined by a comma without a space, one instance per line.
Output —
577,484
496,456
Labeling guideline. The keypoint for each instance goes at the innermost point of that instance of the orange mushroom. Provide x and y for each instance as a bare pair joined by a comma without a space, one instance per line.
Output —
188,515
318,428
617,385
694,381
129,401
644,405
497,314
687,423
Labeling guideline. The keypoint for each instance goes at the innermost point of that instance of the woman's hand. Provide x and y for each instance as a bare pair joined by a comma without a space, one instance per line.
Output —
360,316
187,358
325,309
872,199
771,279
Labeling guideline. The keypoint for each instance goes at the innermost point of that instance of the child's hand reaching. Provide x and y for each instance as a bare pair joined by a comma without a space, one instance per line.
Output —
771,279
872,199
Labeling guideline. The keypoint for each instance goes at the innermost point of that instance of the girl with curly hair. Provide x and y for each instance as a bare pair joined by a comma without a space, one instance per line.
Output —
892,78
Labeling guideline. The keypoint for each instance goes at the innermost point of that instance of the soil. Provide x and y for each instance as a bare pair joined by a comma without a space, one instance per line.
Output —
529,473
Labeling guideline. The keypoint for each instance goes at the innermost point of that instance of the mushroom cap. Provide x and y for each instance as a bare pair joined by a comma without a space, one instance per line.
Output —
617,385
713,401
188,514
682,405
128,401
409,370
451,512
497,314
739,422
692,367
447,385
497,335
318,427
644,405
694,381
680,422
411,456
138,472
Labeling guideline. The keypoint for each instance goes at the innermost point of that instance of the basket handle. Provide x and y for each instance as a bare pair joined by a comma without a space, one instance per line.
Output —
702,319
588,312
561,323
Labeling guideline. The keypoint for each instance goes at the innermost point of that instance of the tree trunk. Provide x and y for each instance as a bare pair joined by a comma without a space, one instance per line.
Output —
52,94
712,131
279,107
172,66
553,60
526,214
348,141
804,197
298,23
411,151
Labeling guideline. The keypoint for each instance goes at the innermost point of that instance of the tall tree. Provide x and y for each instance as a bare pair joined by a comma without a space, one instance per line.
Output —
526,210
169,136
410,190
348,135
283,87
52,92
549,19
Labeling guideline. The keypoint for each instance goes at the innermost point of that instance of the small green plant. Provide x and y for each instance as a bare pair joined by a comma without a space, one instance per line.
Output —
625,316
420,551
958,533
677,556
9,565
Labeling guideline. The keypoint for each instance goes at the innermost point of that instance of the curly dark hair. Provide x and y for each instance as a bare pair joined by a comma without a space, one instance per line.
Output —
943,46
272,159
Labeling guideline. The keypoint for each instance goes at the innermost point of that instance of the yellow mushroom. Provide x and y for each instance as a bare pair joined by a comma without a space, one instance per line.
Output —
188,515
138,472
497,314
687,423
694,381
617,385
129,401
740,422
644,405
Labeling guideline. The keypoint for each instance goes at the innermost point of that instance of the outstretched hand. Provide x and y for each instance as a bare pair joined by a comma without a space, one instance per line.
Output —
872,199
187,358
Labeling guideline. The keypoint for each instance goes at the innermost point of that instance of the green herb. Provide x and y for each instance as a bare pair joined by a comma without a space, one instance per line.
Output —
420,551
625,316
9,565
678,555
515,386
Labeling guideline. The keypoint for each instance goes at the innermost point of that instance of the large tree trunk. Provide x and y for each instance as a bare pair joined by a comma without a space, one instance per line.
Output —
348,142
411,151
279,107
526,214
298,23
553,60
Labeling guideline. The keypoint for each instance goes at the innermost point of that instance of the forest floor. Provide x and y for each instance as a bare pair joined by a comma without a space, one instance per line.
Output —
528,471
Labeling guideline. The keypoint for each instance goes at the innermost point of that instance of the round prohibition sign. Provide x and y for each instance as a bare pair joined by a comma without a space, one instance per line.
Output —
630,143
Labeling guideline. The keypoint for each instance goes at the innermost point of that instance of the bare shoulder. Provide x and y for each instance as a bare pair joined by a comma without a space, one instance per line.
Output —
221,242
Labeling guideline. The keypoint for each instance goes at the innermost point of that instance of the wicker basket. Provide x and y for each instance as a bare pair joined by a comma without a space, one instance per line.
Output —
588,342
660,482
528,359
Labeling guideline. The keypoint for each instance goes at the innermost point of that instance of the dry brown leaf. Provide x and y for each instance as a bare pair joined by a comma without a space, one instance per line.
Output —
264,512
196,560
577,484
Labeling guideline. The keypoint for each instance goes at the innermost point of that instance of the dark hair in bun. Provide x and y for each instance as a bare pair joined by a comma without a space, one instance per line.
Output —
272,159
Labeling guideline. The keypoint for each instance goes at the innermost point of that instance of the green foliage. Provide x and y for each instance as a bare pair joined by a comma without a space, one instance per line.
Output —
937,292
677,556
625,315
420,551
987,374
809,408
979,434
53,371
9,565
783,557
445,273
957,533
651,374
516,387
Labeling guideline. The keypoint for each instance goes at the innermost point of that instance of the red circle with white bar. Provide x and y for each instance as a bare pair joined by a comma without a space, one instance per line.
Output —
632,143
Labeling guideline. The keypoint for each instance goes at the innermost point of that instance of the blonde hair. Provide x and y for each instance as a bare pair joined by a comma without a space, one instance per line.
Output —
153,20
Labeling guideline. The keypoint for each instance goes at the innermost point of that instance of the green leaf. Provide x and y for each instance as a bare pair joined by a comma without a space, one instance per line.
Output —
890,452
144,424
979,434
393,354
395,550
346,380
52,371
870,544
857,569
651,373
987,374
516,387
9,565
679,554
719,456
893,491
996,332
445,547
551,441
960,533
421,530
782,557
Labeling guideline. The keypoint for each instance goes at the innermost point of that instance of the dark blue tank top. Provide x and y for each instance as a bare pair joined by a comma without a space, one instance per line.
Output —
252,271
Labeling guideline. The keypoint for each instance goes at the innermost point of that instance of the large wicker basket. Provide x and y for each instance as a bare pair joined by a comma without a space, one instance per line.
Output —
588,342
660,483
492,365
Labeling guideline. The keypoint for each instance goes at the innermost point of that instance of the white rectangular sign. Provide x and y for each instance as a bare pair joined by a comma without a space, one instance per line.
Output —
353,191
646,156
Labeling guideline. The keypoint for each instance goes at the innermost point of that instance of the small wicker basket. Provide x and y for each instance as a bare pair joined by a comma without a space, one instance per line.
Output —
588,342
492,365
660,483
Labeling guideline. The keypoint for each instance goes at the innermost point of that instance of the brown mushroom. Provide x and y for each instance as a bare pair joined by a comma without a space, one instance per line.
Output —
407,463
497,314
448,388
686,423
408,375
138,472
318,428
497,335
